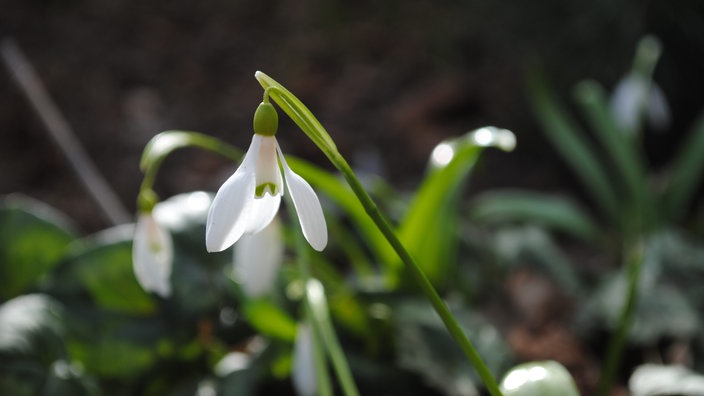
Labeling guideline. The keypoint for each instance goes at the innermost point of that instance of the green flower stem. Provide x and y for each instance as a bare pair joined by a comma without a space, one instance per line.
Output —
322,376
163,144
316,309
419,276
614,351
305,120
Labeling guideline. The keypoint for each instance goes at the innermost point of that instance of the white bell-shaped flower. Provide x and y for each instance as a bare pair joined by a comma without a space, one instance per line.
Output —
248,201
634,99
257,258
152,255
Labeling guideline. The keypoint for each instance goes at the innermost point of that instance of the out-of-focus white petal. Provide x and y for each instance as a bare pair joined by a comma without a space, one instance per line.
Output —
228,215
310,213
257,258
303,363
627,101
152,256
261,211
629,106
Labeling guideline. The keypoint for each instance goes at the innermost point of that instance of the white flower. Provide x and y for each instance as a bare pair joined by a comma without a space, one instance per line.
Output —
257,258
303,375
631,102
152,255
248,201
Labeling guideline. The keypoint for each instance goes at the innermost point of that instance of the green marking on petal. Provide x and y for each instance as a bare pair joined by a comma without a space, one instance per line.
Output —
264,188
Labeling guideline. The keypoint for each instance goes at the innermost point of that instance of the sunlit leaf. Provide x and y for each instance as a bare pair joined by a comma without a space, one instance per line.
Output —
429,228
270,320
33,237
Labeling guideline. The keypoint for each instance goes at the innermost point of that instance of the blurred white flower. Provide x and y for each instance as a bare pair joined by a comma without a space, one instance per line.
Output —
152,255
303,376
257,258
248,201
629,106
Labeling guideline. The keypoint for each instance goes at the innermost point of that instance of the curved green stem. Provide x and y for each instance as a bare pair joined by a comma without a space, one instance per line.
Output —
163,144
300,114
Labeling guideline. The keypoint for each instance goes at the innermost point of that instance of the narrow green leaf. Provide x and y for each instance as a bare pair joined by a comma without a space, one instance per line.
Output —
627,160
685,173
429,228
545,210
566,137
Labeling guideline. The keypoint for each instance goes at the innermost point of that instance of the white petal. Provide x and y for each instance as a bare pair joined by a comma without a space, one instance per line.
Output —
228,214
303,363
152,256
257,258
310,213
267,167
261,212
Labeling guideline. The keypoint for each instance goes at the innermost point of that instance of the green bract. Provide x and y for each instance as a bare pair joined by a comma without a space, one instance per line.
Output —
266,121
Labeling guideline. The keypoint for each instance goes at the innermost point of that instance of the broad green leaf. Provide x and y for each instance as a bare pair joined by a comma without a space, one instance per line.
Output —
109,357
270,320
429,228
546,210
103,264
566,137
33,238
685,173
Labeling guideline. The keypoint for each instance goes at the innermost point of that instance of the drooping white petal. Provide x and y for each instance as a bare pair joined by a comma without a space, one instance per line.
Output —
257,258
310,213
228,215
303,363
152,256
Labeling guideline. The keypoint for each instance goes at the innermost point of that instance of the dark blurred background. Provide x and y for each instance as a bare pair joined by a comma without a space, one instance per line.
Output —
388,79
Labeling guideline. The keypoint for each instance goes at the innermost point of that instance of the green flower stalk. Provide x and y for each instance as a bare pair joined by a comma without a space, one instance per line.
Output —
305,120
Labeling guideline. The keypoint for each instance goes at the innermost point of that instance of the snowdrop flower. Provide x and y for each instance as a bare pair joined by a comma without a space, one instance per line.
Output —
152,255
257,258
303,375
631,102
248,201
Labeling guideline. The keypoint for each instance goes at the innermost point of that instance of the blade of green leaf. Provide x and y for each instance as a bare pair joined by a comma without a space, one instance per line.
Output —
546,210
566,137
429,228
685,173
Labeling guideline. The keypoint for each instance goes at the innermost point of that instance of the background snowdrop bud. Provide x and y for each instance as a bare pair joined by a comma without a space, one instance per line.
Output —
547,378
152,255
303,365
257,258
631,103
